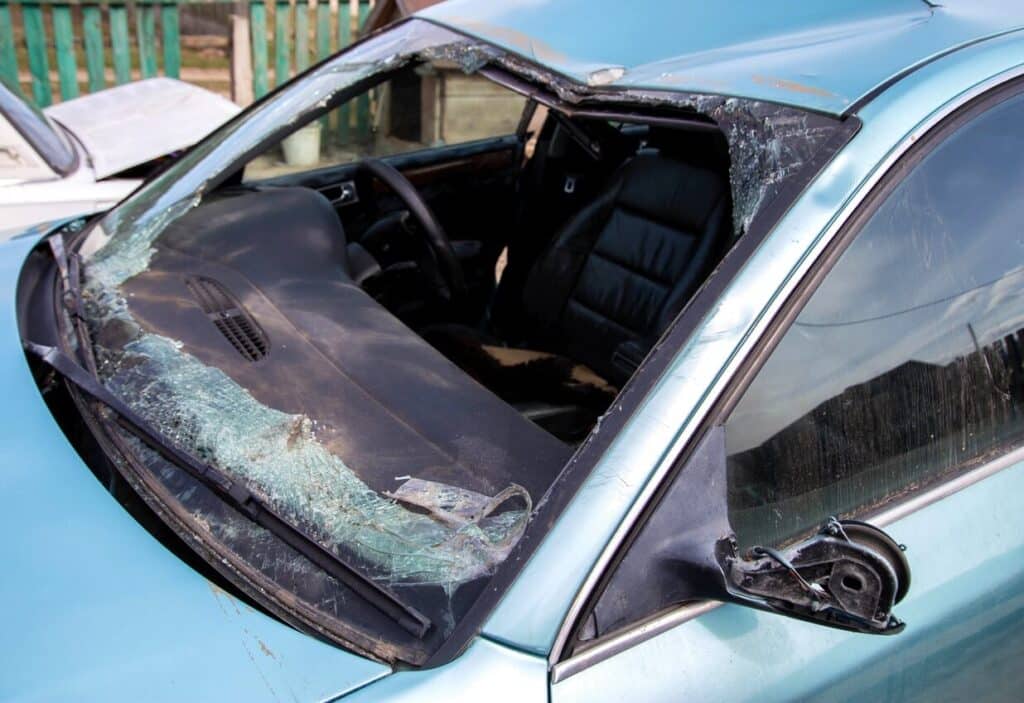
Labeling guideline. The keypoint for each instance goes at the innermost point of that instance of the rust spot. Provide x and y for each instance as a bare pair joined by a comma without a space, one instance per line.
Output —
792,86
674,79
522,42
222,597
265,649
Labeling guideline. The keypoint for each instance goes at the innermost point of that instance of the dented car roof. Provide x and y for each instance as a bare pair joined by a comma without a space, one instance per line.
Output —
828,57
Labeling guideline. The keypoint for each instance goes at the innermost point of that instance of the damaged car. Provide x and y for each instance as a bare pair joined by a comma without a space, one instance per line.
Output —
494,359
84,155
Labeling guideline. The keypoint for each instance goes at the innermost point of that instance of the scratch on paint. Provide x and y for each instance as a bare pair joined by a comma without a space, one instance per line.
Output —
792,86
266,649
222,596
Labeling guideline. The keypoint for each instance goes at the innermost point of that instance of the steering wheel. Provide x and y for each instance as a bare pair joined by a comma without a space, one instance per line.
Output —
435,235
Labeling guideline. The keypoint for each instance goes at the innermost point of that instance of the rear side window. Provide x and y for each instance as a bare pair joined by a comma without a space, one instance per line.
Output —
906,363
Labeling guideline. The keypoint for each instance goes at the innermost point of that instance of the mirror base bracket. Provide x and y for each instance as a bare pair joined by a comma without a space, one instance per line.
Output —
849,576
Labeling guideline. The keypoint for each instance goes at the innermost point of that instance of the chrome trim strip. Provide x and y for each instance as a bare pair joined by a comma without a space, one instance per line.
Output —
654,627
898,511
629,638
724,378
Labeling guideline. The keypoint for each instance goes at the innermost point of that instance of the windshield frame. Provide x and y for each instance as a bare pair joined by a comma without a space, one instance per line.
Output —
385,644
564,487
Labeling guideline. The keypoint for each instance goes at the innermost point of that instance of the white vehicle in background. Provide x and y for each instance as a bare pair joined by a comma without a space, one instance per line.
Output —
86,154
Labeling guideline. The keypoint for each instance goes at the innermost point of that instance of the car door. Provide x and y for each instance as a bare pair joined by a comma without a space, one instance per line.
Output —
890,389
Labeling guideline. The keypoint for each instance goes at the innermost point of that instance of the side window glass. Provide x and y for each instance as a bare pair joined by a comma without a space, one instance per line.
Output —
430,105
906,363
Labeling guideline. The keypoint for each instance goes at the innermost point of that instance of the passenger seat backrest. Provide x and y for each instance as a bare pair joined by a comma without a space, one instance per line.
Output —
621,270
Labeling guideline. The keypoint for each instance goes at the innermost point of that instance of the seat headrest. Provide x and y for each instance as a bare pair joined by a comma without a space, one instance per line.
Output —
670,191
702,148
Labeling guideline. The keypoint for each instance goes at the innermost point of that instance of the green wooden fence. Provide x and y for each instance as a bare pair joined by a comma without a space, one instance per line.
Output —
156,52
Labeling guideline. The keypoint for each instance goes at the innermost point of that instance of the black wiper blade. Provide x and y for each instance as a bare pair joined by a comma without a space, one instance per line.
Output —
69,268
236,494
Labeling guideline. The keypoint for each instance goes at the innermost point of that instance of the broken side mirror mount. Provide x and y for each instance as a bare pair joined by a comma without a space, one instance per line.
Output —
849,576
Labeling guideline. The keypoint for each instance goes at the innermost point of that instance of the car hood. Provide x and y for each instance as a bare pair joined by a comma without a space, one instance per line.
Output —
134,123
92,603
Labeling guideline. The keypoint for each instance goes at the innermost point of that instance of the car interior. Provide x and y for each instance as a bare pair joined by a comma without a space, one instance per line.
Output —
544,262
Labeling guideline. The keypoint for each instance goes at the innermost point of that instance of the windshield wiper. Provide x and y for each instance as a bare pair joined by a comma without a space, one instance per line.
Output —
236,494
231,491
69,268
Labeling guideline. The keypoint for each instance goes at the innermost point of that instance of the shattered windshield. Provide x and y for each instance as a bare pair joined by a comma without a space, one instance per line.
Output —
217,310
406,530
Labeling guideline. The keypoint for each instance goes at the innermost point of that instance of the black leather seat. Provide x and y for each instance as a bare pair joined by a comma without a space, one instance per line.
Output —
621,270
608,286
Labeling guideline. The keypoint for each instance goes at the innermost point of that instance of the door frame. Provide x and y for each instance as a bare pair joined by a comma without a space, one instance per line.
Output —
731,384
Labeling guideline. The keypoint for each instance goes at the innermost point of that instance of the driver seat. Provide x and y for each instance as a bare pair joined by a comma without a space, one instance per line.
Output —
621,270
610,283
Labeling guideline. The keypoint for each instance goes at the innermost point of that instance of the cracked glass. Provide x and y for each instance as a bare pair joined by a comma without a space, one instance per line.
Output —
422,533
430,529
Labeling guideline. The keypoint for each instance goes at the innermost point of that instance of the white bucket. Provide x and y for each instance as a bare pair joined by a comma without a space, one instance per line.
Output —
302,148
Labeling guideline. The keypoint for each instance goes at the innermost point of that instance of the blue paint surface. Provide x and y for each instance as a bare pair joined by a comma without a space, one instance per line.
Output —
963,641
566,556
94,608
817,55
486,672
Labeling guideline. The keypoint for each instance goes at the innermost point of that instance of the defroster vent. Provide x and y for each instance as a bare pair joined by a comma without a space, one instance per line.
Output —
229,317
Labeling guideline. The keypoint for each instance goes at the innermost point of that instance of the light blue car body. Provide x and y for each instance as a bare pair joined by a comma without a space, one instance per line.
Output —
95,608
